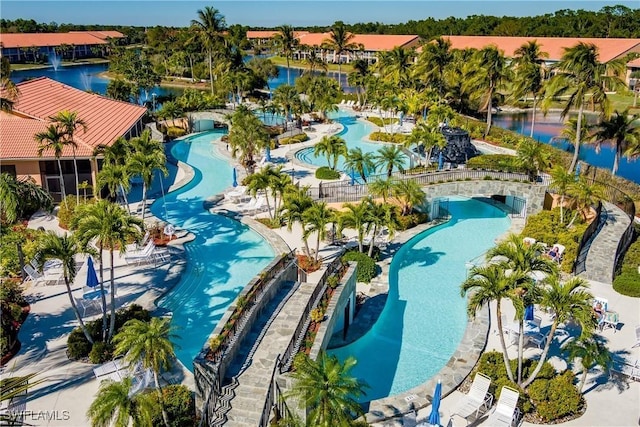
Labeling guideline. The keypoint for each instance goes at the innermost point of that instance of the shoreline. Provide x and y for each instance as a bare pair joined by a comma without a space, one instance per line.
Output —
62,65
107,75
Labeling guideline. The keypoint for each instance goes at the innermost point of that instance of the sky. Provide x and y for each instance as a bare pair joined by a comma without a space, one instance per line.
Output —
270,13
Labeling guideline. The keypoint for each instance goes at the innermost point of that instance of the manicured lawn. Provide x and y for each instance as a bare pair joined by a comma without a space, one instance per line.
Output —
280,60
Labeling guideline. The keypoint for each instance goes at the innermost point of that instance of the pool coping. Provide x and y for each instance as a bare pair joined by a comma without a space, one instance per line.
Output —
461,362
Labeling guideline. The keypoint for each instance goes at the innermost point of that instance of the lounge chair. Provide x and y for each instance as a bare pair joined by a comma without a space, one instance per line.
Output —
529,241
478,398
46,277
637,337
506,411
139,257
110,367
132,247
537,339
236,194
623,368
610,320
556,252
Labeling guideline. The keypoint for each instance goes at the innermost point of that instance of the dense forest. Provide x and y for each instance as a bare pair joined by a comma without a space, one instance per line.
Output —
610,21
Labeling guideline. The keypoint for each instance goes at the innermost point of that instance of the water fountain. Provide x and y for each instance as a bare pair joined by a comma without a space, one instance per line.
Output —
85,78
55,61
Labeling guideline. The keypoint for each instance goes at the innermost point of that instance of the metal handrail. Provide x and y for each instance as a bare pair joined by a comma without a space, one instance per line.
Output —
271,396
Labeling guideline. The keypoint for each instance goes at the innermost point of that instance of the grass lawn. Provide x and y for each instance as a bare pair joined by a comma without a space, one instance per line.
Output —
280,60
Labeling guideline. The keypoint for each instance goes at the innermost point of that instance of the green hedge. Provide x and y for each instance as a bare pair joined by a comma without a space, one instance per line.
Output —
396,138
296,139
378,121
180,406
628,280
176,132
325,172
367,268
502,162
409,221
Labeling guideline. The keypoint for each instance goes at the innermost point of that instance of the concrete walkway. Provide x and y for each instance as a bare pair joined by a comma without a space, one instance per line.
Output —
600,262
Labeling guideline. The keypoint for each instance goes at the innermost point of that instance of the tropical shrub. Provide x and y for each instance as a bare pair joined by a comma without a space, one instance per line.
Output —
301,137
176,132
101,352
366,269
180,406
557,397
396,138
502,162
406,222
11,313
378,121
67,210
308,263
10,237
325,172
628,280
317,315
332,281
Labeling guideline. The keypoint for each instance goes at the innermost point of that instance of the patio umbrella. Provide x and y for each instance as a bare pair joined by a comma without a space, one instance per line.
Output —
440,161
235,178
268,154
92,277
434,417
352,176
528,312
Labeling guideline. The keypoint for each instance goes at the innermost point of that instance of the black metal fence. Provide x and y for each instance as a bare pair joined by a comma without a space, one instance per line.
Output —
583,248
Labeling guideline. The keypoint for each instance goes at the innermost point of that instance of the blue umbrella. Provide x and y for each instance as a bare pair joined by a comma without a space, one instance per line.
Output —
528,312
353,178
434,417
578,168
440,161
268,154
235,178
92,277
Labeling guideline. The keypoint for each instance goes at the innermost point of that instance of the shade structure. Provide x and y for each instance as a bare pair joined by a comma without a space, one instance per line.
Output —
434,417
267,154
528,312
92,277
440,161
235,177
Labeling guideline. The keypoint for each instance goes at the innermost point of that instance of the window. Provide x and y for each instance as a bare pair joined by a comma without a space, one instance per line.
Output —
10,169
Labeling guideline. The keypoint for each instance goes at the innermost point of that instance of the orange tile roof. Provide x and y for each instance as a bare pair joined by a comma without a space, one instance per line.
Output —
103,35
635,63
608,49
11,40
371,42
267,34
42,98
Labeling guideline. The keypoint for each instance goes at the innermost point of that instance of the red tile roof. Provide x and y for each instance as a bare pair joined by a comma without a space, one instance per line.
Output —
608,49
11,40
635,63
267,34
371,42
42,98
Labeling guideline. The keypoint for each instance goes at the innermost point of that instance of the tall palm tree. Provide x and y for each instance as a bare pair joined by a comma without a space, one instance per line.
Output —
381,188
53,139
586,194
591,351
114,405
358,78
528,63
409,194
286,43
395,65
623,130
360,162
70,123
390,158
315,220
9,92
325,388
313,60
340,41
332,147
286,97
432,63
115,177
581,75
295,202
491,72
210,27
19,195
148,343
260,182
561,182
490,283
148,155
533,156
64,248
381,215
355,217
569,301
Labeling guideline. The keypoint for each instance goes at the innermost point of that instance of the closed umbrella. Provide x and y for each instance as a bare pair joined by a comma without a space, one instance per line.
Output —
440,161
578,169
528,312
434,417
92,277
352,176
235,178
268,154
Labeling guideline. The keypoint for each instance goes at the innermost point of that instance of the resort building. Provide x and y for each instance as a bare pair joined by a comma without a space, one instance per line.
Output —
264,37
40,99
20,47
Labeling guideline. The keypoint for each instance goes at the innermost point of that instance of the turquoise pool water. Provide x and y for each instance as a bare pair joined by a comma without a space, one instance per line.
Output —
222,259
353,132
424,317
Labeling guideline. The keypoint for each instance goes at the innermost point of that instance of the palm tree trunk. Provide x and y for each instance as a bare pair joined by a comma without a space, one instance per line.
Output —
112,323
211,71
76,311
317,246
583,378
520,347
360,241
616,158
561,209
124,195
489,106
372,243
533,115
75,170
103,296
191,65
144,199
165,416
576,143
543,356
64,193
266,199
288,71
505,356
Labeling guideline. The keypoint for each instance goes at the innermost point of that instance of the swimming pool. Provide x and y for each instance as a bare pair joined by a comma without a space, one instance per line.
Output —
424,318
222,259
353,132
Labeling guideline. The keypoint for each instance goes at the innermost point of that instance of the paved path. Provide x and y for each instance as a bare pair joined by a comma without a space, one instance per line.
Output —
600,261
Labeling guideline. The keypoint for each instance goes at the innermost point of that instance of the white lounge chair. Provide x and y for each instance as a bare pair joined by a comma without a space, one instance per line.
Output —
139,257
45,278
477,399
110,367
506,410
637,337
132,247
236,194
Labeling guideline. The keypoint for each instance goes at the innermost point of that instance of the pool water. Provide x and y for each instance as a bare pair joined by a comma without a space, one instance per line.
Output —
424,317
222,259
354,131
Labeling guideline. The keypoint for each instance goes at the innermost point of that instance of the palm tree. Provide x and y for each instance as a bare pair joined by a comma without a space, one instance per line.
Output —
18,196
533,156
355,217
9,92
621,128
148,155
491,283
569,301
358,78
209,27
389,158
409,194
261,181
115,177
64,248
332,147
427,135
395,65
246,137
148,343
529,74
171,110
580,74
114,405
286,42
53,139
491,71
325,388
381,215
313,60
360,162
340,41
295,202
586,195
591,351
432,63
382,188
561,182
315,220
286,97
70,123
